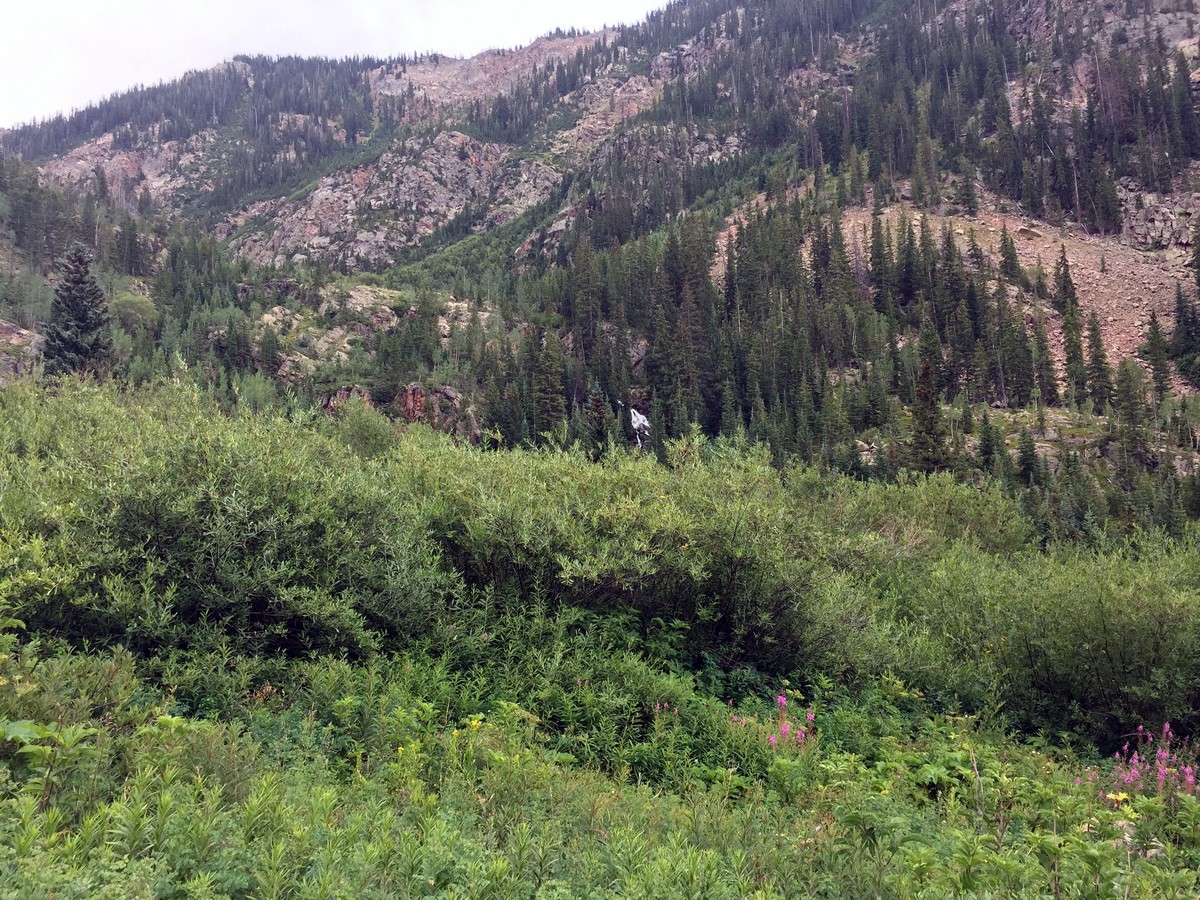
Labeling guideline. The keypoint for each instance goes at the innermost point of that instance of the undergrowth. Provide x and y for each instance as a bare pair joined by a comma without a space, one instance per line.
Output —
255,656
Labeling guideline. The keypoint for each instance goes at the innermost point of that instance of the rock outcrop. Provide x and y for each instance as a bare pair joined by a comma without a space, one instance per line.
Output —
19,351
369,214
1157,221
441,407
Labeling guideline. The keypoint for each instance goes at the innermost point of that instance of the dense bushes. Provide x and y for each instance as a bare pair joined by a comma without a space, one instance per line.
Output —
149,521
316,658
174,528
405,778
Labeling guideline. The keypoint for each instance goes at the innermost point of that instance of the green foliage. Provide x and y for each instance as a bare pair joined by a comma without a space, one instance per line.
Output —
356,780
77,335
151,522
338,661
196,511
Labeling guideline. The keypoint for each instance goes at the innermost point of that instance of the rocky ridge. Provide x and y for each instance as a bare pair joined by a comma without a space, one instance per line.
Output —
370,213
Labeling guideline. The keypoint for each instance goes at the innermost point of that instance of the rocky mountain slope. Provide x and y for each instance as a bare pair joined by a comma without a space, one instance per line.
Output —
593,189
424,163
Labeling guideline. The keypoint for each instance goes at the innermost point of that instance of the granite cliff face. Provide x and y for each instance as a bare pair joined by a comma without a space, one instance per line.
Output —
366,216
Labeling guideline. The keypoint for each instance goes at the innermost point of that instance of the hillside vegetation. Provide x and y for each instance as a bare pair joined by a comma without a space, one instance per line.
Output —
344,578
308,656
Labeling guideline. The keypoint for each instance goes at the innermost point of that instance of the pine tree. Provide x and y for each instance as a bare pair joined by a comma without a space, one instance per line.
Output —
1196,253
1044,376
1181,96
1010,265
1130,404
77,336
929,349
928,448
268,353
1076,367
1099,372
549,406
1183,339
989,443
1157,357
966,197
1027,458
1064,287
881,262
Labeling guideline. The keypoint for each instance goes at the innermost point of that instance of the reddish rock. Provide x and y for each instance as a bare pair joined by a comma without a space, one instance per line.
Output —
442,408
19,351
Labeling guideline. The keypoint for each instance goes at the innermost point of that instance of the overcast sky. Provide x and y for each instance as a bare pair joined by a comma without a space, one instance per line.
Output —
56,56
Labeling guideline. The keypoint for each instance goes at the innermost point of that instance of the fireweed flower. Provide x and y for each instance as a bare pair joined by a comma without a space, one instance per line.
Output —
811,716
784,729
781,701
772,740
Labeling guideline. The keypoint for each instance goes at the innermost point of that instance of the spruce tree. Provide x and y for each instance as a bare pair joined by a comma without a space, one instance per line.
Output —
990,443
1157,357
928,446
1099,372
1064,287
1076,367
1010,264
1130,403
1027,458
549,405
77,336
1196,253
1044,376
1183,339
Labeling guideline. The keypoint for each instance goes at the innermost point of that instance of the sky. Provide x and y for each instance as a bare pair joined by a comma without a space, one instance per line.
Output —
64,55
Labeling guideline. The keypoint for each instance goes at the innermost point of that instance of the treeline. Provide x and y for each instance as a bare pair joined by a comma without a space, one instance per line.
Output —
172,111
816,342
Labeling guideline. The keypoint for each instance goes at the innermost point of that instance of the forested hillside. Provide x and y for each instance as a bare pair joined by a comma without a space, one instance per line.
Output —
332,562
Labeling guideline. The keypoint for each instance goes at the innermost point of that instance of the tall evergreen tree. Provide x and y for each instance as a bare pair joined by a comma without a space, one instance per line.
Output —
1076,366
928,447
549,405
1157,357
1044,376
77,336
1196,253
1064,287
1130,404
1183,339
1099,372
990,443
1010,265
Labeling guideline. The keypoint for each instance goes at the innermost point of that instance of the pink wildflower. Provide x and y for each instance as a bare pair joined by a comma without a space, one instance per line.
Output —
781,701
772,740
811,716
784,729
